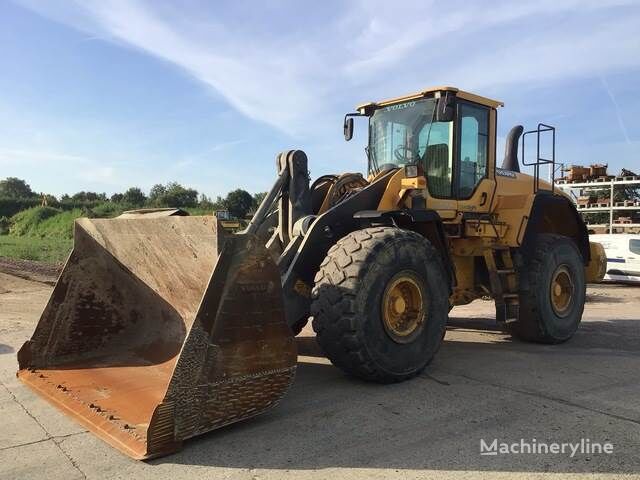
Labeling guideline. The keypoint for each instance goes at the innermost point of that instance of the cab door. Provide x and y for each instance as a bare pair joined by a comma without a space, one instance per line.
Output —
436,146
474,176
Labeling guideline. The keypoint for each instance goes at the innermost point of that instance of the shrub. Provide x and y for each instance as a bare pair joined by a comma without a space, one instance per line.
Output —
108,210
60,225
46,222
27,221
5,223
10,206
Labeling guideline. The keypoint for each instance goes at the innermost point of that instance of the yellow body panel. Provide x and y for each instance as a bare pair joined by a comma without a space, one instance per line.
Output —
390,198
495,215
507,198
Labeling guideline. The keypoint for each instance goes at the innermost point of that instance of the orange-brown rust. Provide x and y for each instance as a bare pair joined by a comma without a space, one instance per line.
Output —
151,337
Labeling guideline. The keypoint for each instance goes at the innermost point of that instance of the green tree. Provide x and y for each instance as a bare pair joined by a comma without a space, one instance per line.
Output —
179,196
239,203
173,195
220,203
205,202
257,199
156,193
134,196
117,197
12,187
88,197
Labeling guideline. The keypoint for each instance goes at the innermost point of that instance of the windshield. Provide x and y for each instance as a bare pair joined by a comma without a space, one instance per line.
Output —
406,133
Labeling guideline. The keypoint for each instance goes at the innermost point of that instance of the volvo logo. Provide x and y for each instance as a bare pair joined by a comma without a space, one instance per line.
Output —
400,106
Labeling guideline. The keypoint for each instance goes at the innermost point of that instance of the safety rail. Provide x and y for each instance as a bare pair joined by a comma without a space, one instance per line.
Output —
542,128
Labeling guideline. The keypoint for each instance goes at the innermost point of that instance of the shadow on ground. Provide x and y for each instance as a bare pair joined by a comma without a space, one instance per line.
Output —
482,385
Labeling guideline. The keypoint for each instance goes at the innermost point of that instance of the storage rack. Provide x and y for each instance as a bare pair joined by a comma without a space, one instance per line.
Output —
611,206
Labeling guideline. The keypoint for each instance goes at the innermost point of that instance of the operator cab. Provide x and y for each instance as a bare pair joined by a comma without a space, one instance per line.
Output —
444,131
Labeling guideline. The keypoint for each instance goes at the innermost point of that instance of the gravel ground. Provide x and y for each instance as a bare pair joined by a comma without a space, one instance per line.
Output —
31,270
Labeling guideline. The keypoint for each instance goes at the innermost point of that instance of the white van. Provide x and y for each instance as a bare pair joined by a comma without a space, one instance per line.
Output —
623,256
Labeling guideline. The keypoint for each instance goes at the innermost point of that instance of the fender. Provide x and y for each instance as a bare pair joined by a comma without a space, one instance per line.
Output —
426,222
552,213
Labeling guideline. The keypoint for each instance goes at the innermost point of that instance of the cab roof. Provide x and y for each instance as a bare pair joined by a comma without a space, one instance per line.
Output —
472,97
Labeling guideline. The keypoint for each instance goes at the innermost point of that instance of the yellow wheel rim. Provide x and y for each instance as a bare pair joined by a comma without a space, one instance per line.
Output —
561,291
403,307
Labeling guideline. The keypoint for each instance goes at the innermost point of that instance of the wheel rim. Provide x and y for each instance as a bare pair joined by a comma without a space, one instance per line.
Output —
403,307
561,291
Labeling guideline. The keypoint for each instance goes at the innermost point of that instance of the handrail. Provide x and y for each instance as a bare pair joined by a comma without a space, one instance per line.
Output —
542,128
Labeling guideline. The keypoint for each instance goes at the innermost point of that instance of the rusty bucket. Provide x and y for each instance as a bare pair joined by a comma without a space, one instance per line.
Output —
160,329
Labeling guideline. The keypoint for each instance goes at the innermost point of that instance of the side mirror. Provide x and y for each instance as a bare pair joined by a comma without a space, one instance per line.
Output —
348,128
445,108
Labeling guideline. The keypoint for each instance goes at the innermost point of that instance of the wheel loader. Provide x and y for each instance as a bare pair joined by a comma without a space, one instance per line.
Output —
164,326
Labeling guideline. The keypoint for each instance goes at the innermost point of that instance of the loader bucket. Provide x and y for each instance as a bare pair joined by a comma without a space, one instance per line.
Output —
160,329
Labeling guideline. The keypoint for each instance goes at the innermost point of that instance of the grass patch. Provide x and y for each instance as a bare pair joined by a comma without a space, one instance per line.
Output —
60,225
45,222
51,250
196,211
46,234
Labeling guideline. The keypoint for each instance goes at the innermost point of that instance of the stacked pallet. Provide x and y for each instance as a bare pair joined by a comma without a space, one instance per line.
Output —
577,173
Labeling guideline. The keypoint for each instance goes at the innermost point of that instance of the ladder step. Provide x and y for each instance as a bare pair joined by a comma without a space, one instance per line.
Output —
505,271
507,313
510,295
500,247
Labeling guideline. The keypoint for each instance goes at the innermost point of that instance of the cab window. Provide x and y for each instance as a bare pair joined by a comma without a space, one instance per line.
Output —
474,145
433,147
634,246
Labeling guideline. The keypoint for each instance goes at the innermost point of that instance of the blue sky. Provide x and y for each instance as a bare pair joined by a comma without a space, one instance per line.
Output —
103,95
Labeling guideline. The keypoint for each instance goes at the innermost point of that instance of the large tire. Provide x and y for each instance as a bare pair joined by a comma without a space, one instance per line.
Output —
354,280
550,311
297,327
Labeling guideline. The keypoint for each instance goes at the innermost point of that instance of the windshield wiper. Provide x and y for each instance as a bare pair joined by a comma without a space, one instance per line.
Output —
371,157
433,117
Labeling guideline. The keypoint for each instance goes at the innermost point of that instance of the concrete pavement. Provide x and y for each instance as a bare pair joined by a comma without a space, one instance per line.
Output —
482,385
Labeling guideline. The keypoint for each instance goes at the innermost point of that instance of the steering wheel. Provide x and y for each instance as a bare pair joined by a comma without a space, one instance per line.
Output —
400,152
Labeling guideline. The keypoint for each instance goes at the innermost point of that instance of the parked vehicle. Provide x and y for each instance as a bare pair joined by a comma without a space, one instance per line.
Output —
623,256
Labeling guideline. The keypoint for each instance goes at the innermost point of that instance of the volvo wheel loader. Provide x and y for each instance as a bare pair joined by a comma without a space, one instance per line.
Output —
163,326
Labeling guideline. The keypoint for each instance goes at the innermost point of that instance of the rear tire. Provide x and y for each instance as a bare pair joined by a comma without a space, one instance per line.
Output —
380,304
297,327
553,291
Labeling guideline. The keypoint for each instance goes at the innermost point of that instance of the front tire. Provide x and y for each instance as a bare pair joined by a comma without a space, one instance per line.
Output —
380,304
552,301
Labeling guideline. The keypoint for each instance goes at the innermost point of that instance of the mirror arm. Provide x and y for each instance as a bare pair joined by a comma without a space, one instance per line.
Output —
348,124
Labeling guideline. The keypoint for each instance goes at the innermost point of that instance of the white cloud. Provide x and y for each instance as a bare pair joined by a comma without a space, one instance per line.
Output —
294,78
423,28
299,74
99,174
566,52
60,166
10,156
226,145
616,107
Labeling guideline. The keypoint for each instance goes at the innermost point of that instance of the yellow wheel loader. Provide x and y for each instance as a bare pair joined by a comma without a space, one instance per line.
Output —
164,326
